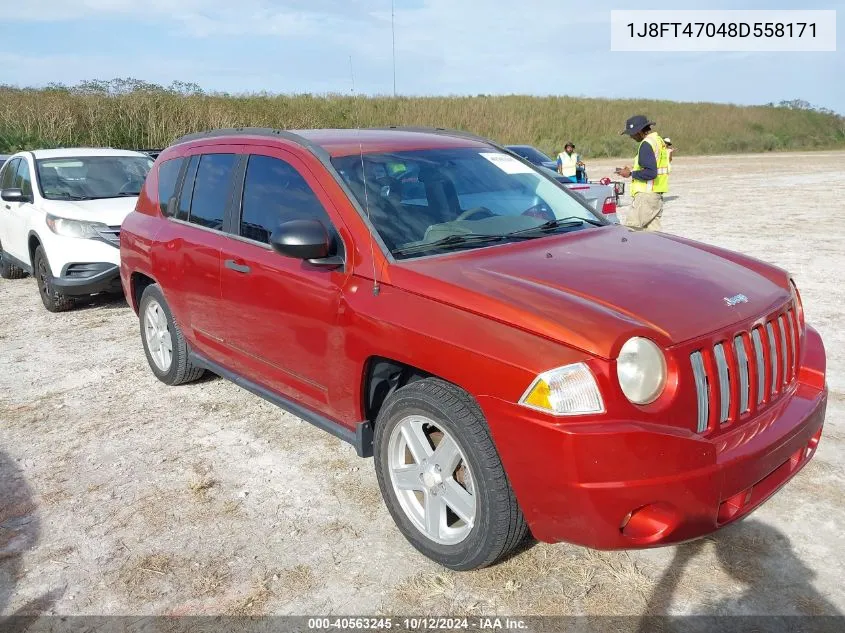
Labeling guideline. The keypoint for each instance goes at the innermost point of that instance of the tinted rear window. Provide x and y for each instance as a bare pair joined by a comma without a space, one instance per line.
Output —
212,188
168,176
187,189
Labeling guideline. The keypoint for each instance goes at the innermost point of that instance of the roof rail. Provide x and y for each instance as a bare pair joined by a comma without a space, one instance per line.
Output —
256,131
235,131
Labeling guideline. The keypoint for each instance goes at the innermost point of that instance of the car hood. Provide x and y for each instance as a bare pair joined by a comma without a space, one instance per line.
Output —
111,211
593,289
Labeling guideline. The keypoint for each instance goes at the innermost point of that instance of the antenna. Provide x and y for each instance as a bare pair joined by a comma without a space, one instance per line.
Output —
393,36
364,176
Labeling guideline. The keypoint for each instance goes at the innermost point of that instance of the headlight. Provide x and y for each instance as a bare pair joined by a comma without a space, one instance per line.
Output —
568,390
74,228
641,368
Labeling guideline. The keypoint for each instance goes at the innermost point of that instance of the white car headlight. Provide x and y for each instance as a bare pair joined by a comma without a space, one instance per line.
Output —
641,368
75,228
568,390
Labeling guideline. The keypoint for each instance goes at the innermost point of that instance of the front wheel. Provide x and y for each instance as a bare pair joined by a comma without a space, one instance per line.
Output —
52,298
442,479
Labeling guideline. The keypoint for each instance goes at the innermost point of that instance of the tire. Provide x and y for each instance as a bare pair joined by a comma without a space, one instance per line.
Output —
158,330
52,298
434,412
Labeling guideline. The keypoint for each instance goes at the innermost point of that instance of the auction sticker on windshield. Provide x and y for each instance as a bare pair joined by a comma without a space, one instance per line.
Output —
507,164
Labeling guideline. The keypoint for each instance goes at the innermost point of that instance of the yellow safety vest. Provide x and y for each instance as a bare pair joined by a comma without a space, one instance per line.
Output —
568,164
661,153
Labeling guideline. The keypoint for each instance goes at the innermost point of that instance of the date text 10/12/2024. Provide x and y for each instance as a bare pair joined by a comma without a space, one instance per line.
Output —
417,624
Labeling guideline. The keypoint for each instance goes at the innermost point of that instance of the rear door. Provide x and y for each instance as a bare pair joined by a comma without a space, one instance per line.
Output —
282,312
187,258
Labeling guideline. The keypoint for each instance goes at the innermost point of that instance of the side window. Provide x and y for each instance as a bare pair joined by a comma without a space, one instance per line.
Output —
23,180
274,192
187,189
168,175
9,173
212,188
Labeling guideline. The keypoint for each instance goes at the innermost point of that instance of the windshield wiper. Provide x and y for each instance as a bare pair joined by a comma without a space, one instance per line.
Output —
571,221
450,240
70,196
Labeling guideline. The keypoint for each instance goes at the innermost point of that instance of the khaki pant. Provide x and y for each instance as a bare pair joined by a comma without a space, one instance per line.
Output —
646,212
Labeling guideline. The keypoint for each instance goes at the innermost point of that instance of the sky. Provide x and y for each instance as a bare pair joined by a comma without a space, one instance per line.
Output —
442,47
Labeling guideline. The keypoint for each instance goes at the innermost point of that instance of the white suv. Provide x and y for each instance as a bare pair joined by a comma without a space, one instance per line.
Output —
60,218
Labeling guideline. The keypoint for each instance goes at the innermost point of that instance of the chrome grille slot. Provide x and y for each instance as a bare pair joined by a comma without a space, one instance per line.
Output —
724,382
792,344
757,340
742,364
700,376
773,358
784,357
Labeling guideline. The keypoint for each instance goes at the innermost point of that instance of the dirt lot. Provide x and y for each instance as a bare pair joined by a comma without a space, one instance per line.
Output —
119,495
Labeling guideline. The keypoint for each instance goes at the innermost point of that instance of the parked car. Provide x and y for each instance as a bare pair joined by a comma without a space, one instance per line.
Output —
534,156
60,219
601,198
510,359
591,190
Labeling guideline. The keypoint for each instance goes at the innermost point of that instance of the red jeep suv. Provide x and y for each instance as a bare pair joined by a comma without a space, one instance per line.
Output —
510,359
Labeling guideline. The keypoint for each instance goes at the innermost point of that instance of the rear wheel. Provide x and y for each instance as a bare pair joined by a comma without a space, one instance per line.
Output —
442,479
9,270
164,343
52,298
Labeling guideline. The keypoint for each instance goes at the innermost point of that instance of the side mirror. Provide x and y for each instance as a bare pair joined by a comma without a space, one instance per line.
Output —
15,195
304,239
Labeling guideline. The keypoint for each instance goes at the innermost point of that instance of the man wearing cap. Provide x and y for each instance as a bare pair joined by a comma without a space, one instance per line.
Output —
568,162
669,149
649,177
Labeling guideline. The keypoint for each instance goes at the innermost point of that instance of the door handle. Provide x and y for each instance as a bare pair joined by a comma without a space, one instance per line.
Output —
231,264
8,207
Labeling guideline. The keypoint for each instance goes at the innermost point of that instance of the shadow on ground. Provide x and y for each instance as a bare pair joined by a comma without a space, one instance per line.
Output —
19,532
760,558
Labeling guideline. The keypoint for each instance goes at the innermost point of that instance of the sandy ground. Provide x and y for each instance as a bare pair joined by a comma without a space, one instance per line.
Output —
119,495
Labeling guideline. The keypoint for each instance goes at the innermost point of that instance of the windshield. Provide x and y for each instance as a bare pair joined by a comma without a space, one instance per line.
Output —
531,154
426,201
92,177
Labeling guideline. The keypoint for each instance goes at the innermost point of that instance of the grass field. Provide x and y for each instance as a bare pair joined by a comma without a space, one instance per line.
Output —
132,114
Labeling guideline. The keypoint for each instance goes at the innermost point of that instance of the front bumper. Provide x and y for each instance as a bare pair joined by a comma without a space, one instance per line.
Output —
88,278
629,484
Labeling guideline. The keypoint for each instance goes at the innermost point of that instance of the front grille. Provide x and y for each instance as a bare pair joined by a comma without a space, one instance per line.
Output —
746,371
110,235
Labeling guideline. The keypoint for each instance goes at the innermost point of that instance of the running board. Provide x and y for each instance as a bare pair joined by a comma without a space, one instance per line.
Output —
361,438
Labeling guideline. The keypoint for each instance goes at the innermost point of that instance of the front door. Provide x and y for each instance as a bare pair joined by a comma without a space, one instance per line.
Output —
20,215
281,312
10,240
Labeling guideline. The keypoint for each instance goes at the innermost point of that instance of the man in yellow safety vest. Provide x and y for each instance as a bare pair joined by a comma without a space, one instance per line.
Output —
568,162
649,177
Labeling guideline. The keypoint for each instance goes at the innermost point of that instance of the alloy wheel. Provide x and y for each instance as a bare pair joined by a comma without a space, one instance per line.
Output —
158,336
432,480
